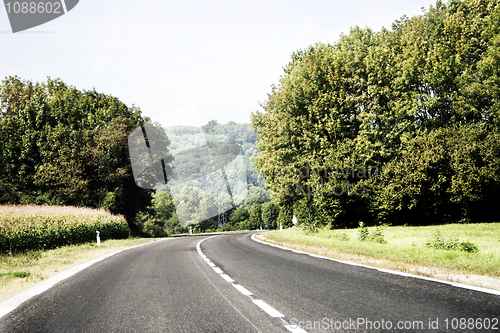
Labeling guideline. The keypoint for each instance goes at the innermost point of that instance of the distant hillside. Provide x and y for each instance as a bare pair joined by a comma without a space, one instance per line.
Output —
188,145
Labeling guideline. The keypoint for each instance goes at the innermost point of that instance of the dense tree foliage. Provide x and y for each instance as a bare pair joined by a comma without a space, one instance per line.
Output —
198,152
270,213
255,216
63,146
397,126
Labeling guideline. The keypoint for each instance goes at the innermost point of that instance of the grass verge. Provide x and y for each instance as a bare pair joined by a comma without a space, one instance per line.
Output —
22,270
405,250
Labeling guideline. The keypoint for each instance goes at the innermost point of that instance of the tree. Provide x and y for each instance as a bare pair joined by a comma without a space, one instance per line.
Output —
369,100
64,146
238,215
255,216
285,215
163,206
451,175
270,213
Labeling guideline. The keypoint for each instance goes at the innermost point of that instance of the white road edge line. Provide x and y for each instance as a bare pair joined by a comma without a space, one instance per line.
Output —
13,302
40,290
383,270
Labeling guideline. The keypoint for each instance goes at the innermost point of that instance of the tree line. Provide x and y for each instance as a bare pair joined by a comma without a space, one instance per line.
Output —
419,103
396,126
63,146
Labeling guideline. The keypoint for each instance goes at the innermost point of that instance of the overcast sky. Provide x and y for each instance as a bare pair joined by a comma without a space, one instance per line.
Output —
185,62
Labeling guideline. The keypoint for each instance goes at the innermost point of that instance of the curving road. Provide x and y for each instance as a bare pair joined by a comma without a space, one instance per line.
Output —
230,283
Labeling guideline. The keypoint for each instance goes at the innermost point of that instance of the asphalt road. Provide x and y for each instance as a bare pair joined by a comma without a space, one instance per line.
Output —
230,283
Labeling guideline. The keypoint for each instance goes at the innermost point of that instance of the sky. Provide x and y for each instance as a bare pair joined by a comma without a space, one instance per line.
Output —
185,62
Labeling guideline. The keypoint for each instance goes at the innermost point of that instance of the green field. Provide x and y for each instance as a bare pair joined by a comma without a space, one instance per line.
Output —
404,248
24,228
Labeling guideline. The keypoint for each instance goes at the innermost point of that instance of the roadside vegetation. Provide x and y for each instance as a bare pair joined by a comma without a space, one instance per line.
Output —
24,228
19,271
395,126
399,126
467,249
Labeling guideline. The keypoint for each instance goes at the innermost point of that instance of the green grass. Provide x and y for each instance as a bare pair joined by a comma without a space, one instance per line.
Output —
406,246
19,271
16,274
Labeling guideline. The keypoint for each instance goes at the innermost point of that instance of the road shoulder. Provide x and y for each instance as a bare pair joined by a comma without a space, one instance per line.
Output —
469,281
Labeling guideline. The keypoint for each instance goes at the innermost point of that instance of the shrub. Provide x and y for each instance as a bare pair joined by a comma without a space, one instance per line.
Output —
270,213
376,236
255,216
363,232
451,244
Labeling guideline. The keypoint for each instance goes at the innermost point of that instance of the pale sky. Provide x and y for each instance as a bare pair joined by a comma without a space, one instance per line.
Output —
185,62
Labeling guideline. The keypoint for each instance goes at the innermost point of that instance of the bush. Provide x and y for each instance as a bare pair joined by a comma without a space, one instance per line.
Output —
238,215
451,244
363,232
306,216
270,213
285,216
375,236
152,230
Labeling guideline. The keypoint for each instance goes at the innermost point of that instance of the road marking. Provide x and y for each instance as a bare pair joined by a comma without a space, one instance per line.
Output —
236,309
4,311
295,329
267,308
260,303
40,290
12,303
227,278
242,290
383,270
217,270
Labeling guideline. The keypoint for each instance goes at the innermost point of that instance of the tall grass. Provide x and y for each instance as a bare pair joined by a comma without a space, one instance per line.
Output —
44,227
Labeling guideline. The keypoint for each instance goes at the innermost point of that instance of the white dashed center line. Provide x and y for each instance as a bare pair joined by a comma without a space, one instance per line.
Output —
260,303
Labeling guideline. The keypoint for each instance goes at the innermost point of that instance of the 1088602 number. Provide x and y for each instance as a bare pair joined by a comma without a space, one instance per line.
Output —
34,7
471,323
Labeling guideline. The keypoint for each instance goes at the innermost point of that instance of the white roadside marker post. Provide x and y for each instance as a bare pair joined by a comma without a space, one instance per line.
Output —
98,239
190,230
281,226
